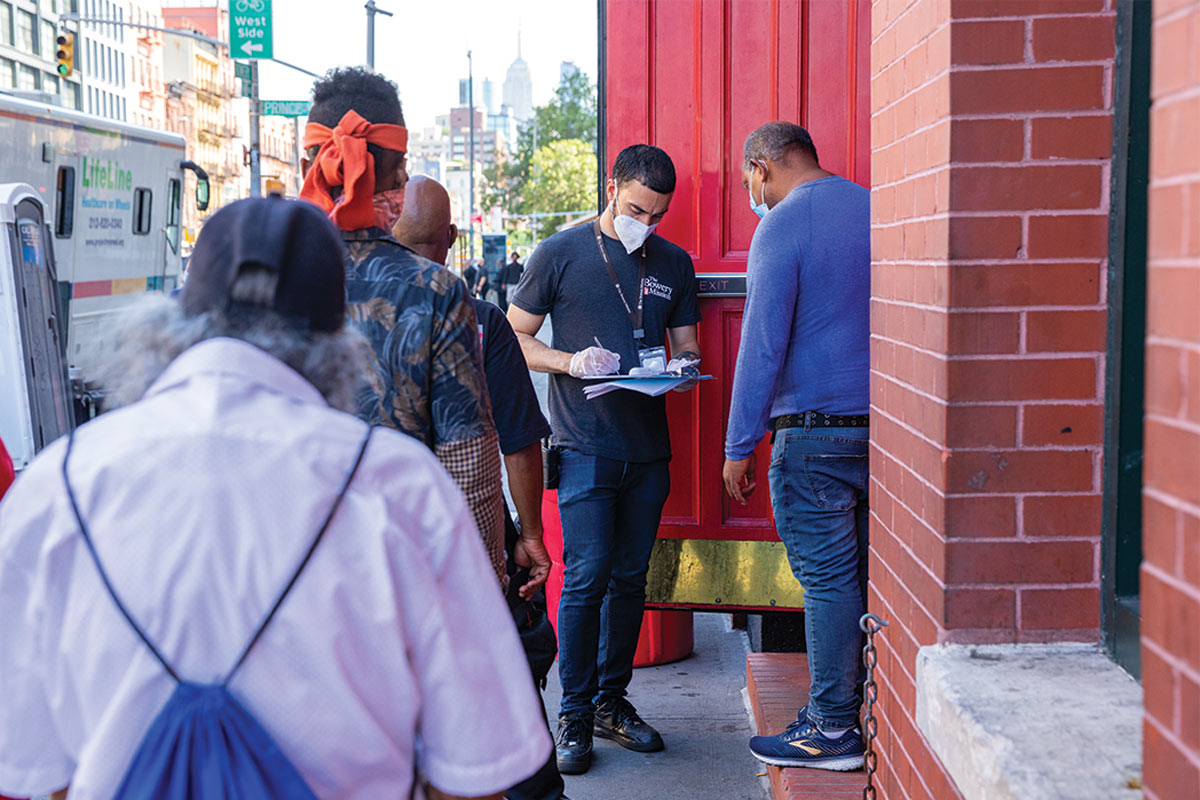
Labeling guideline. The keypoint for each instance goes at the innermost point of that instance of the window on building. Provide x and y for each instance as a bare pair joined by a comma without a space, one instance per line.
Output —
64,205
26,32
8,78
143,207
1123,446
27,78
69,94
6,23
49,82
49,47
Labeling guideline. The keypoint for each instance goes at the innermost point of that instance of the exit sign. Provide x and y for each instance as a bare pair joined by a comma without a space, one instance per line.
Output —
250,29
285,108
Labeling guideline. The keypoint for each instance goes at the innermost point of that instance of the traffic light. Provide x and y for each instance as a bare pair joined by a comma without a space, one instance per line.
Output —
66,54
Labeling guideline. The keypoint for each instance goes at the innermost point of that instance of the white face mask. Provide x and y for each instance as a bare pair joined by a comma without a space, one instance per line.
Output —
633,233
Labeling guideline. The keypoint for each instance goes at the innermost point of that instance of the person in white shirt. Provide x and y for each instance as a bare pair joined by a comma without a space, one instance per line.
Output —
202,497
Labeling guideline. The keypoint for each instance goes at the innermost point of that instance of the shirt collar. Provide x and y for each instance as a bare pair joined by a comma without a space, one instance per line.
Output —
235,358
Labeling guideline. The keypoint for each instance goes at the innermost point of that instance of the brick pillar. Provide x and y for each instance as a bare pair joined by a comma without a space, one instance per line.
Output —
1170,584
991,139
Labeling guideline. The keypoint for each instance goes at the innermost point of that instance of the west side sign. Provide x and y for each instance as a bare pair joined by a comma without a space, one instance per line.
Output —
250,29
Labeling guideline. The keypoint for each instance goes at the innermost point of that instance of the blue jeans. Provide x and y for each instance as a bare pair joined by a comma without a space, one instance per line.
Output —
818,484
610,512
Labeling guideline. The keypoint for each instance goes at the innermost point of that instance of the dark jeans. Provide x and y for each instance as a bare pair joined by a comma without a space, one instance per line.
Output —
819,494
610,512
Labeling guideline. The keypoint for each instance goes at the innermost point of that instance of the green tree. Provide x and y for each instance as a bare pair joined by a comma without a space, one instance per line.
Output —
569,116
564,177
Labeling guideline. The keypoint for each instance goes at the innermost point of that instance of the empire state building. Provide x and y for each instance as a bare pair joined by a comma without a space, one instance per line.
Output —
518,88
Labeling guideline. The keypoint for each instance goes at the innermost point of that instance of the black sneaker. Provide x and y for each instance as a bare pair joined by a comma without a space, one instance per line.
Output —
573,744
617,719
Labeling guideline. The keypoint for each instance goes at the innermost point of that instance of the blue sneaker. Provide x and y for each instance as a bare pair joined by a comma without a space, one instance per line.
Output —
803,745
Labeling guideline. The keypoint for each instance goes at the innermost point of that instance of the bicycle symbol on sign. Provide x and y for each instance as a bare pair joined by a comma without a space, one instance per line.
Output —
257,6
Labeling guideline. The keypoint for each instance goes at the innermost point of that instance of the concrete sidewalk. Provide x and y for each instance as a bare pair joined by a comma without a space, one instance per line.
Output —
697,705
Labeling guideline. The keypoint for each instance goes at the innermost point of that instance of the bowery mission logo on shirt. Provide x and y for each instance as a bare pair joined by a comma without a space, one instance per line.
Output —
657,289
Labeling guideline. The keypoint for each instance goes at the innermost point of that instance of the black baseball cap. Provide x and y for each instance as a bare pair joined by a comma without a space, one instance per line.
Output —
292,239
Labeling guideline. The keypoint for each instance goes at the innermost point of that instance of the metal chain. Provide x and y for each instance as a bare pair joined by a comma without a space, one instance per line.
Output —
870,625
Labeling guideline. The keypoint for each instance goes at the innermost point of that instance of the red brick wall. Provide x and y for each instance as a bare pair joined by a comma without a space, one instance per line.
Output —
1171,521
991,139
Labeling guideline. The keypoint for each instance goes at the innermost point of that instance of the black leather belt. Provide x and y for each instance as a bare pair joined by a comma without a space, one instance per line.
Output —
815,419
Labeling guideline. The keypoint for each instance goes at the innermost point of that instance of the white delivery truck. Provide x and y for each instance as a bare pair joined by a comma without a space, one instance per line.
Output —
111,195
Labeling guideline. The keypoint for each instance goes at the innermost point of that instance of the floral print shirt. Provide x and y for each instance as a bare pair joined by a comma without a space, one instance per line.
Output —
427,378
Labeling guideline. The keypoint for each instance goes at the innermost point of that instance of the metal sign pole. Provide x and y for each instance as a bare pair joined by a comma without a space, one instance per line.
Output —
255,161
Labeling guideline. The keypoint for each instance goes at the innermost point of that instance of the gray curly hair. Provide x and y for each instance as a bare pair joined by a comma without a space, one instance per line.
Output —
155,331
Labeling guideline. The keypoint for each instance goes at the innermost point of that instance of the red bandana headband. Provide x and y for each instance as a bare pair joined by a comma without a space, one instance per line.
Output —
344,161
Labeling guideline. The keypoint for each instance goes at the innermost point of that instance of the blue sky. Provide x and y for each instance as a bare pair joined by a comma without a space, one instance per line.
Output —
424,47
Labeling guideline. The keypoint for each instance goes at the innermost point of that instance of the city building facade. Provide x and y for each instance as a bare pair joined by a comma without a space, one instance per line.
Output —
28,61
105,52
279,139
148,96
200,105
490,143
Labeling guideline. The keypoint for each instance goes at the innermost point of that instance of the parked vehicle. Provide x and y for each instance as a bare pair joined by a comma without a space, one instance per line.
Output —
111,197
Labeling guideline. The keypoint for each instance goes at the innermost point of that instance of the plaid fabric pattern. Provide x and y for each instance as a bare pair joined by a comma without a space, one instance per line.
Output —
471,463
427,378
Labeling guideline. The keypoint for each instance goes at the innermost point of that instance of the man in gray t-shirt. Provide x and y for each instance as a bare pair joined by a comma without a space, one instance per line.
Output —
614,293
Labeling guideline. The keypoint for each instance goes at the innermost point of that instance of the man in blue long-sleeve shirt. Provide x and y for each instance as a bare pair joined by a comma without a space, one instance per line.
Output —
802,373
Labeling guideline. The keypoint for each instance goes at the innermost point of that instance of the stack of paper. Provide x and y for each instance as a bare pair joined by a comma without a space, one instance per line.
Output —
651,386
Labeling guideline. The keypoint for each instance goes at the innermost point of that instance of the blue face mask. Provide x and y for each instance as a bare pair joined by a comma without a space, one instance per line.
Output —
760,209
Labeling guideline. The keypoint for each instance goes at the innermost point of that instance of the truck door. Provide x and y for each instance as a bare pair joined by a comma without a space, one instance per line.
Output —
35,401
695,79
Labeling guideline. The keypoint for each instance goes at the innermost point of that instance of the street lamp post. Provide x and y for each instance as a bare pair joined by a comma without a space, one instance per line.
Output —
372,10
471,151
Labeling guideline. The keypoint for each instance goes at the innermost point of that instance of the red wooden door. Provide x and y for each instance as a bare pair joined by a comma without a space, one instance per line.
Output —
695,77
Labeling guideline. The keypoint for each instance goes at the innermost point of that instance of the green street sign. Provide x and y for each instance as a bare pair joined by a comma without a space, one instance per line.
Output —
285,108
250,29
241,70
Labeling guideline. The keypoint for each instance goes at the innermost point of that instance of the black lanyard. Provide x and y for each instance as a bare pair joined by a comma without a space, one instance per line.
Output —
635,317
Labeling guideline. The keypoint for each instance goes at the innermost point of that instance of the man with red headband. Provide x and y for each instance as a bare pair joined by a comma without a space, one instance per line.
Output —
428,378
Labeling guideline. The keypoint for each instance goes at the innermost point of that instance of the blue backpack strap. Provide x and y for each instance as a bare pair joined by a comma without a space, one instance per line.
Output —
362,451
100,567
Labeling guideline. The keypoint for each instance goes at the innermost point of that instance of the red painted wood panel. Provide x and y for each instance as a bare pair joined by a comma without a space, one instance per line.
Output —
695,77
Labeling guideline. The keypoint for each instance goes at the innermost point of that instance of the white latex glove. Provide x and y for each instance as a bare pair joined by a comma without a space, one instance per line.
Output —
678,364
594,361
687,368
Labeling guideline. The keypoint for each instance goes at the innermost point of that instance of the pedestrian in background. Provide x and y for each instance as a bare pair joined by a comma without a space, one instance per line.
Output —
802,374
427,377
426,227
390,639
470,275
616,294
513,271
482,282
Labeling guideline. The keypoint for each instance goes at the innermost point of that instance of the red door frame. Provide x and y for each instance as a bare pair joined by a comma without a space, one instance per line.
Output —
695,77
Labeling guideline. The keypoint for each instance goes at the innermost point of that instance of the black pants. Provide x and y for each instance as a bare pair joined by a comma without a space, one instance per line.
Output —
546,783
